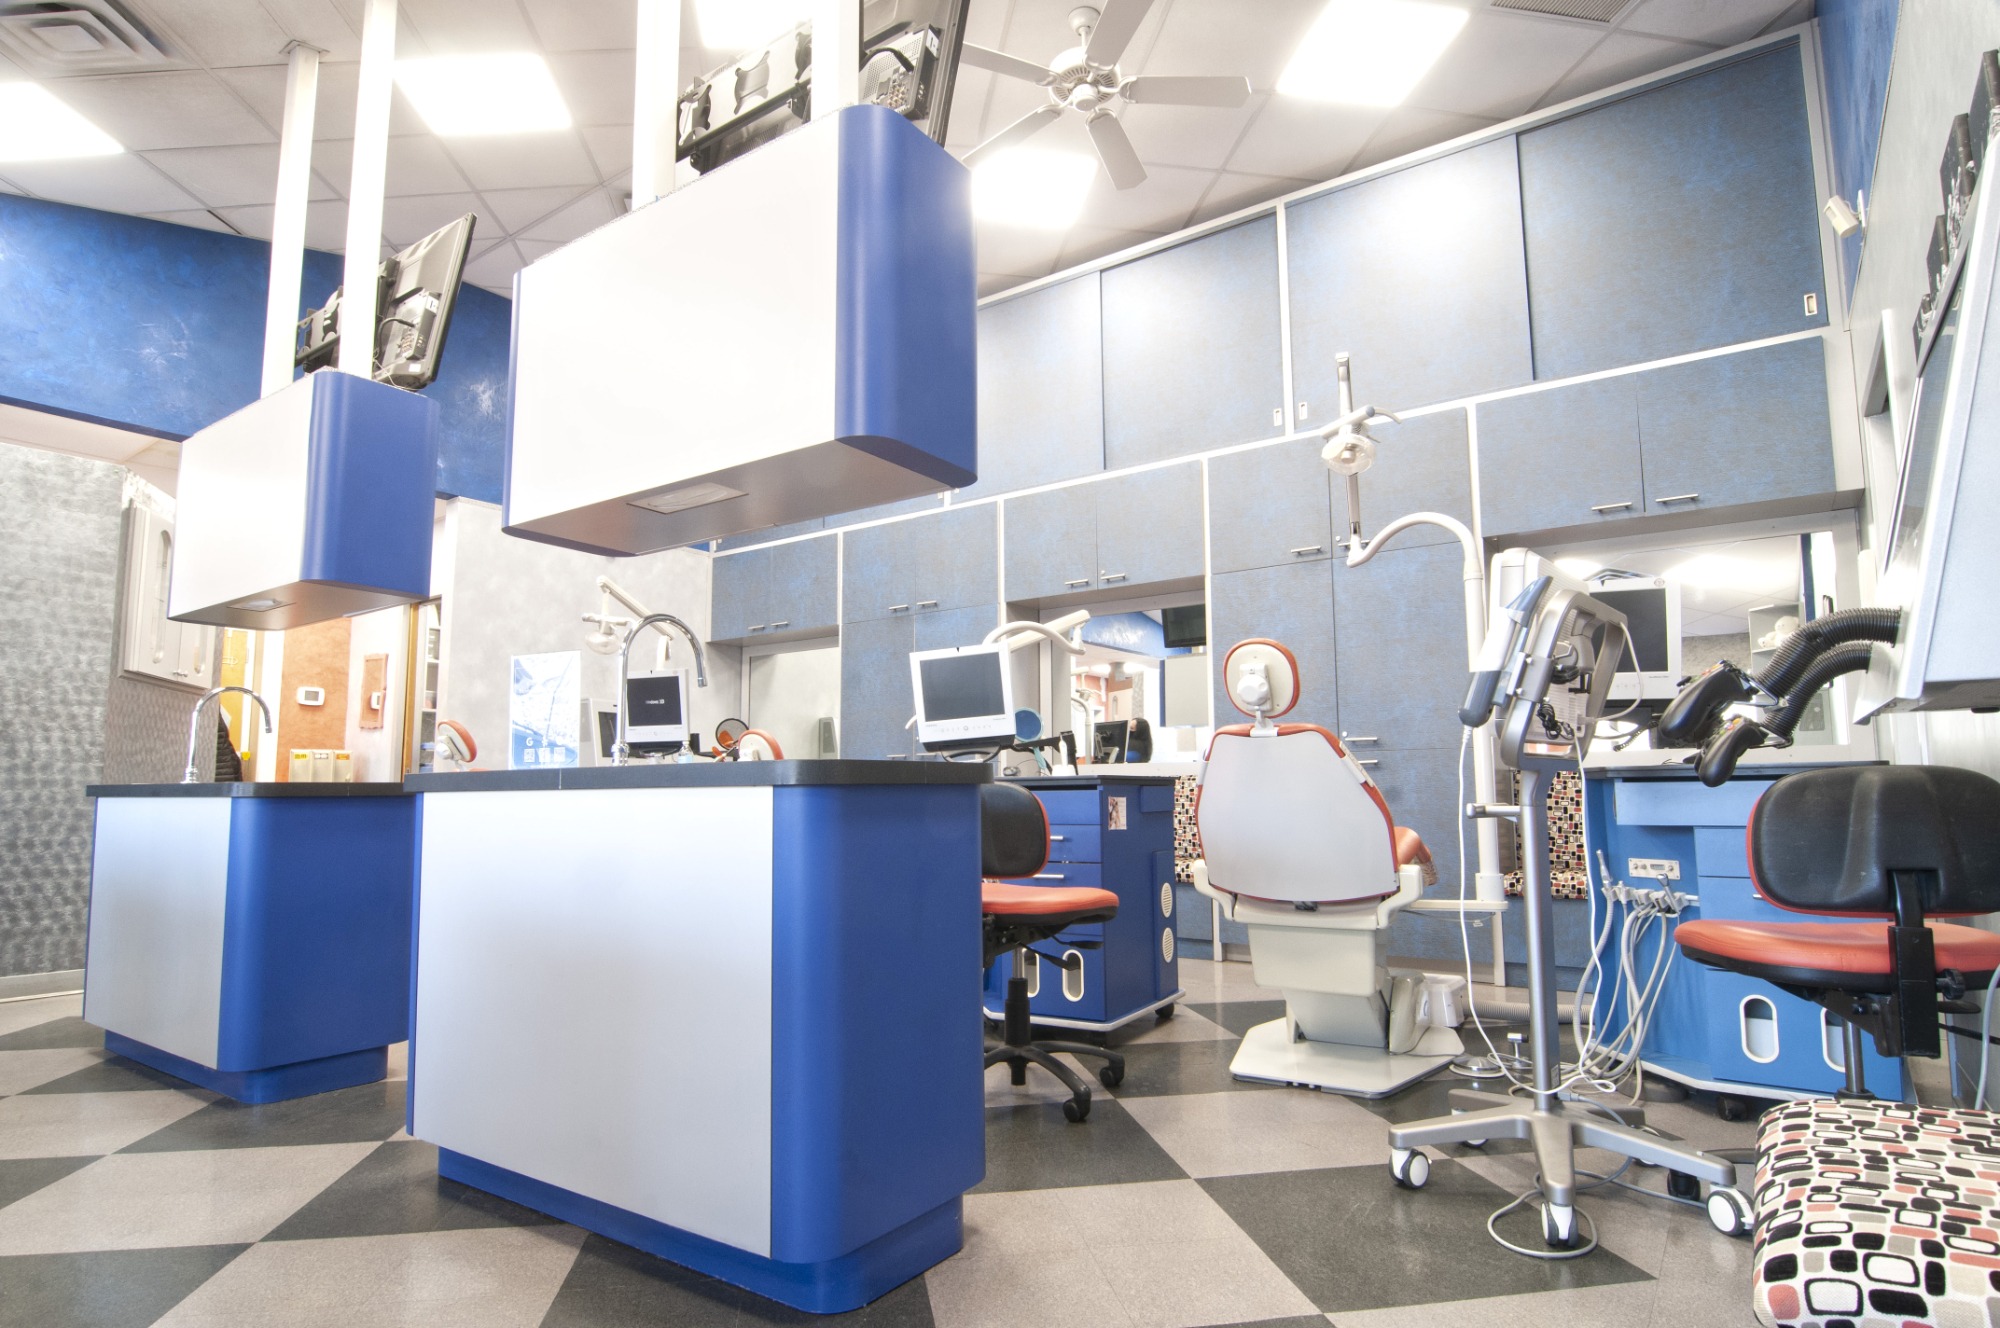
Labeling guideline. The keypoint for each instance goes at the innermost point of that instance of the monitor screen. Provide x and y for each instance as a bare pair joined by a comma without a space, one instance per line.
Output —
1184,627
658,708
415,293
965,697
1645,611
1111,739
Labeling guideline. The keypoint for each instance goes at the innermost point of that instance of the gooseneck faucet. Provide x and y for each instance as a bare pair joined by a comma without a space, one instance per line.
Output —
621,751
192,775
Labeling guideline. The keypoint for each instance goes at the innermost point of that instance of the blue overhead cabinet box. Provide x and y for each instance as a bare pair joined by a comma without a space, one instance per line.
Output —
314,502
790,336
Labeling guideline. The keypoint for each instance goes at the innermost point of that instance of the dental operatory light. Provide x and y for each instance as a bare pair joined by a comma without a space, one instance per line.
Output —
1032,188
34,126
738,25
1370,52
466,96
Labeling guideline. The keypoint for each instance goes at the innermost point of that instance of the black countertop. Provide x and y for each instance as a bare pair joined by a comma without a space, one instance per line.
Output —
245,790
709,774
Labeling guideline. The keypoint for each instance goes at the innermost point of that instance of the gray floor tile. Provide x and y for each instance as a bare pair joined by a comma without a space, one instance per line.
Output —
23,1176
1000,1288
1186,1025
17,1015
73,1125
106,1289
112,1074
1239,1017
1352,1239
1034,1147
24,1070
66,1031
1210,982
369,1113
1154,1069
1627,1305
1287,1129
396,1190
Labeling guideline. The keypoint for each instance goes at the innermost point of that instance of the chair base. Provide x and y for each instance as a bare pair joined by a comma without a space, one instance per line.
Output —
1270,1055
1018,1056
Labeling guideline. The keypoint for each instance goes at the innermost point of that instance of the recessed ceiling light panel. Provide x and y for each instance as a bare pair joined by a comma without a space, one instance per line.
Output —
466,96
1032,188
34,126
1370,52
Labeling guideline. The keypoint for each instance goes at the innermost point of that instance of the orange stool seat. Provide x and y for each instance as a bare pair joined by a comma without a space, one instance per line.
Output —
1047,905
1845,956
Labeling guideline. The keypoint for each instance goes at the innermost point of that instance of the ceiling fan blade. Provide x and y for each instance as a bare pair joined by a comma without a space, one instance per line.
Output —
1116,25
1115,150
1194,90
1000,62
1014,133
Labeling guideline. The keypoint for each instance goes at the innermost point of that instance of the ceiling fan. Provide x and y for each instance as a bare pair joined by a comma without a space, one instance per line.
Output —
1086,79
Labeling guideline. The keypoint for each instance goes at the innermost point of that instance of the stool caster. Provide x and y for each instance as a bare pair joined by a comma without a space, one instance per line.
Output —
1729,1212
1077,1109
1164,1013
1733,1108
1112,1075
1410,1167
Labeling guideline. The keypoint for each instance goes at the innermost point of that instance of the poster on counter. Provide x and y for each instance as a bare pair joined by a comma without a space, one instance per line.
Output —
542,710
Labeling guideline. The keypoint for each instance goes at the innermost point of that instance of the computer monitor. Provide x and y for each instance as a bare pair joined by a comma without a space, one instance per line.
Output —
1111,741
1184,627
1651,667
656,708
416,291
965,697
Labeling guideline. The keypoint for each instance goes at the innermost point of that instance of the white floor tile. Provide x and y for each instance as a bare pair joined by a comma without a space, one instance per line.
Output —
17,1015
1230,1134
85,1124
22,1070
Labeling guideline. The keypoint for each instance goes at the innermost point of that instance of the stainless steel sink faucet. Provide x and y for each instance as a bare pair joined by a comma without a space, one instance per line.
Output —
193,773
621,751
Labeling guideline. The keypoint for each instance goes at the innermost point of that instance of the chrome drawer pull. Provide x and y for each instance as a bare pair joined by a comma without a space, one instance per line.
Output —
757,627
784,623
1048,876
1370,761
1612,507
1058,839
1355,737
899,608
1112,576
1309,548
1071,585
1680,498
927,603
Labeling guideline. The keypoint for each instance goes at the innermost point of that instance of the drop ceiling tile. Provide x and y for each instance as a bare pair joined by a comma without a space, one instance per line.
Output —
1162,202
124,183
1307,140
1018,251
514,209
1189,135
326,224
1621,56
596,85
223,32
533,249
419,164
1411,129
1221,37
525,161
1503,63
1234,191
229,177
594,209
319,22
459,27
199,219
1715,22
494,269
610,147
176,109
333,109
407,220
585,25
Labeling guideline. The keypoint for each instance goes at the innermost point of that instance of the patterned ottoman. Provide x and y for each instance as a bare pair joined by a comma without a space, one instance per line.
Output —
1877,1215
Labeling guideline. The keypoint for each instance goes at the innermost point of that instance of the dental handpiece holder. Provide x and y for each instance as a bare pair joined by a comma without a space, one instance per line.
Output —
1543,678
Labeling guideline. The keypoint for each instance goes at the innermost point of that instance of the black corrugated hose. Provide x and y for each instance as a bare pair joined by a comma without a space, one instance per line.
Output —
1852,658
1802,648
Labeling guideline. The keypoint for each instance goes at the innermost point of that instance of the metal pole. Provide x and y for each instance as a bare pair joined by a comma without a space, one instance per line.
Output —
1543,1026
656,74
358,311
836,55
288,222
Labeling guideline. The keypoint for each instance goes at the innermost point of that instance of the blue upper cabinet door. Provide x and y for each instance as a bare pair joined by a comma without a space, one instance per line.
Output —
1269,506
803,589
1565,457
1292,605
953,559
1734,429
1149,527
740,587
1675,220
1191,347
1041,388
875,696
1419,276
1402,656
875,573
1052,543
1421,465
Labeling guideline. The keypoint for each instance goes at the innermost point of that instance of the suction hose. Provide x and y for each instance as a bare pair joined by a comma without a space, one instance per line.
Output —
1721,753
1690,718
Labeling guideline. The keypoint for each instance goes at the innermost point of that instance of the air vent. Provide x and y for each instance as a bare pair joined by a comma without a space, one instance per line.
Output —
57,37
1593,11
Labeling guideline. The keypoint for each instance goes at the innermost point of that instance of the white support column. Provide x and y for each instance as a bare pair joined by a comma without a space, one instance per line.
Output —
836,55
358,311
656,75
288,224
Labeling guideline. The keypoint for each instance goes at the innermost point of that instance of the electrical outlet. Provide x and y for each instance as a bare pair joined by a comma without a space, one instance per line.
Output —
1658,869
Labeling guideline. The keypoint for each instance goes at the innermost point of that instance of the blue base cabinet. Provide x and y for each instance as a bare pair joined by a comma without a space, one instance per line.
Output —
1117,833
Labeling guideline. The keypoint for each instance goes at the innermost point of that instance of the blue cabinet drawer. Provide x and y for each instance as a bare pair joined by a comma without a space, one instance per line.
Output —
1070,806
1065,873
1053,992
1721,851
1075,843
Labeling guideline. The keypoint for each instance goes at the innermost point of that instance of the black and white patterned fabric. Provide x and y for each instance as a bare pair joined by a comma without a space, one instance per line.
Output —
1877,1215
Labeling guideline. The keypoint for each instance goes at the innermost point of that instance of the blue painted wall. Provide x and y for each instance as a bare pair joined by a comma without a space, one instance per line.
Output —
1857,39
160,329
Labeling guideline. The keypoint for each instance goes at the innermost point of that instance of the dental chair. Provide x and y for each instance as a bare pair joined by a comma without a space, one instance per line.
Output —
1299,846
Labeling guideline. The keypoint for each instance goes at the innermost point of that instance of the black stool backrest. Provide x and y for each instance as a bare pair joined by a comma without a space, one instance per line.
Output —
1827,841
1013,832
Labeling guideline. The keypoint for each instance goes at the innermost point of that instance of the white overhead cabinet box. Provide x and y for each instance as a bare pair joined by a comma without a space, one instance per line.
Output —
790,336
311,503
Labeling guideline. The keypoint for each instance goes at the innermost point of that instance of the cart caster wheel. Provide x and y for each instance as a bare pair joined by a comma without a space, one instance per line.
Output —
1411,1168
1729,1211
1076,1109
1111,1076
1732,1108
1164,1013
1559,1226
1683,1186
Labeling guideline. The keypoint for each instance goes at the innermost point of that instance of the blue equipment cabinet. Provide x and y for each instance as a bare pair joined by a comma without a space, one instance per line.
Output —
1714,1030
1116,832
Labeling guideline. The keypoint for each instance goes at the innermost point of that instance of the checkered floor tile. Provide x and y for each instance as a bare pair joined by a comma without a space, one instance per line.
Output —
1187,1199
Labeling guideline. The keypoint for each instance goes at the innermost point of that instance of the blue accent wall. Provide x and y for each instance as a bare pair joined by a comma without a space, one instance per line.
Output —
159,329
1857,42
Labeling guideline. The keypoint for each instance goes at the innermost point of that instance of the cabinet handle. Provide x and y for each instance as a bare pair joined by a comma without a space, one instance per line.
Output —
1058,839
1351,737
1612,507
899,608
1679,498
1072,585
1370,761
1109,577
757,627
1302,412
927,603
784,623
1048,876
1308,548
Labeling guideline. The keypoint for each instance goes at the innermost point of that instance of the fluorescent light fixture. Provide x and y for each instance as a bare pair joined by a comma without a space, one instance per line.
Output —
1370,52
1582,569
739,25
1032,188
34,126
465,96
1722,571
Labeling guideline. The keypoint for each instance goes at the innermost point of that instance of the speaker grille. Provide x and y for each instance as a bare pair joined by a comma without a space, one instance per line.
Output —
1594,11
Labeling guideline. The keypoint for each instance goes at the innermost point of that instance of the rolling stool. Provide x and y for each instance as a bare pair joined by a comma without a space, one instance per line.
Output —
1015,842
